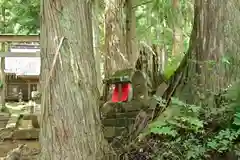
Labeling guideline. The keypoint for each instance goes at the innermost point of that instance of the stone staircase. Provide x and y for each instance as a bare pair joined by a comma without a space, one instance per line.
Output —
12,126
12,122
4,118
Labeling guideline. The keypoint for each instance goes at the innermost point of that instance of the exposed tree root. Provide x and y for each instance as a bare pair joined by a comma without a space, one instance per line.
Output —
22,152
15,154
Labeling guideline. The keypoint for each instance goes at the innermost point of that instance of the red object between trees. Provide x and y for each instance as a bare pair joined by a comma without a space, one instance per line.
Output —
124,95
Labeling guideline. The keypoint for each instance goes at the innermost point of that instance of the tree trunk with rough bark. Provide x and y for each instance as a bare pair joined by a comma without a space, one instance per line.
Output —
3,49
70,120
96,43
131,45
115,49
204,72
176,37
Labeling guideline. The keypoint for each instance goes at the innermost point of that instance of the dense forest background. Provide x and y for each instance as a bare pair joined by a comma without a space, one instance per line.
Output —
196,44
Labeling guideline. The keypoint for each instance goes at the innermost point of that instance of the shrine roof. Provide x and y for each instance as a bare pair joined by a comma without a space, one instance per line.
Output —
23,65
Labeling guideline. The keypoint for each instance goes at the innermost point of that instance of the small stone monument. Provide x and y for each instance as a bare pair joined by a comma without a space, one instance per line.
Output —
36,96
20,96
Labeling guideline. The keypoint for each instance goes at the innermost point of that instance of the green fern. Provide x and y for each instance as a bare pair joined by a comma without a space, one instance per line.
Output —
223,141
165,130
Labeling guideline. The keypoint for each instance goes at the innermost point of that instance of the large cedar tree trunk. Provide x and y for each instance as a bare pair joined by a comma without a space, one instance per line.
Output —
96,42
115,49
131,45
70,121
204,72
177,32
3,49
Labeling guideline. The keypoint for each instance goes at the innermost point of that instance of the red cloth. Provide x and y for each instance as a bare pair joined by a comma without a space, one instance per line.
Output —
125,93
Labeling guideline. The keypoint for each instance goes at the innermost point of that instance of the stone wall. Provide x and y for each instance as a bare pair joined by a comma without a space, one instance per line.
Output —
118,124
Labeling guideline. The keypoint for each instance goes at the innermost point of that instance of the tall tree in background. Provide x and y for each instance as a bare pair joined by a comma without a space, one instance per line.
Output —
3,49
115,50
211,39
120,35
70,122
177,33
131,46
96,41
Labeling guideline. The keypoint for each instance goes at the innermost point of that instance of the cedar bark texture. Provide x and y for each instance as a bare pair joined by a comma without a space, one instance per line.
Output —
70,121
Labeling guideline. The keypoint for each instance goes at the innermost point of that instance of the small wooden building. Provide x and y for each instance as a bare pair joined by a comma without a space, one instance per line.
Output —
22,73
24,83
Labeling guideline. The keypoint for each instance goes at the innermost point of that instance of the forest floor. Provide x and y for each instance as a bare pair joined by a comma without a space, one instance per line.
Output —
31,150
32,147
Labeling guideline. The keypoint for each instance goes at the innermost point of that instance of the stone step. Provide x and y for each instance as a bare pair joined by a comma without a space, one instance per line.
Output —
37,109
26,134
12,122
6,133
19,134
4,117
3,125
34,118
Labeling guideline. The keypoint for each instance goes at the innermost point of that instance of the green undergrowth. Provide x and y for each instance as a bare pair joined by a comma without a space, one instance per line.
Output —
190,132
172,65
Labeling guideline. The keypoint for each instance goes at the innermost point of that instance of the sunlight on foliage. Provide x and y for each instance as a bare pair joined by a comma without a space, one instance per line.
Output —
185,134
22,16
